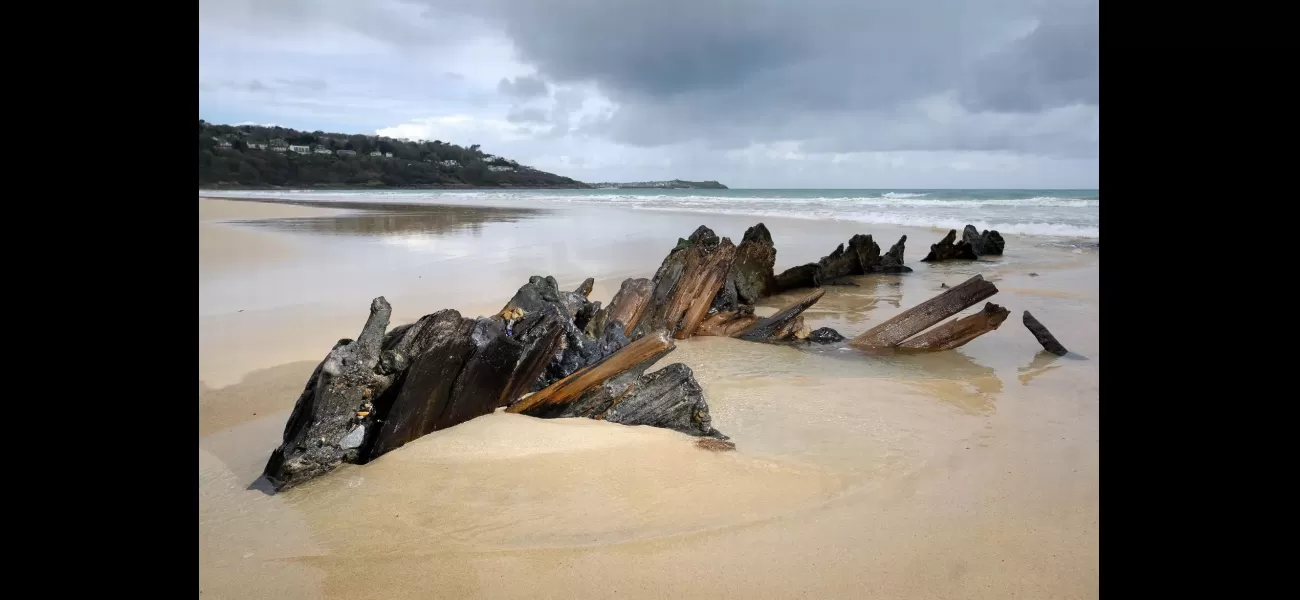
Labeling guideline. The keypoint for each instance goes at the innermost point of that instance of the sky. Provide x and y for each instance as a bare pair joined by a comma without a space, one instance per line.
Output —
752,93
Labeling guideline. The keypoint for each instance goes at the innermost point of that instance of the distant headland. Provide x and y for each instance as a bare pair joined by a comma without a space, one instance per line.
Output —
675,184
251,156
257,157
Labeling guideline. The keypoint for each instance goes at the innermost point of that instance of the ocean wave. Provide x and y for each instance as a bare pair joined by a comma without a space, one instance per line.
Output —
1035,216
888,199
687,200
1033,228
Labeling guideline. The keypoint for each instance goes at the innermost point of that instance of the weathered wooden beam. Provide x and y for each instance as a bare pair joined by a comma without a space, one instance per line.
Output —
892,261
707,280
427,385
580,348
920,317
331,420
505,367
802,276
771,328
626,307
791,330
751,271
570,388
728,323
1043,336
686,283
541,291
714,323
989,242
949,248
958,332
860,257
668,398
475,366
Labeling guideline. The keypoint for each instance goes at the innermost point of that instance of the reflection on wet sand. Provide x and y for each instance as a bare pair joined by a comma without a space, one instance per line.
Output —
844,304
385,220
1043,362
951,377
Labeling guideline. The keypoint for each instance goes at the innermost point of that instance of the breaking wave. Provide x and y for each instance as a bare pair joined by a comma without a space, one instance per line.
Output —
1021,212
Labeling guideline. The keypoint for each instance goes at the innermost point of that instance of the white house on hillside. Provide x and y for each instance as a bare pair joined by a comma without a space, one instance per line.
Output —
323,150
449,164
347,152
376,153
300,149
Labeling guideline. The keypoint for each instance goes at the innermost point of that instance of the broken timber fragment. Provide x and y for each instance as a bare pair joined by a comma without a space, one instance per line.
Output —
825,335
567,390
580,348
324,429
669,398
802,276
728,323
507,362
686,283
540,291
920,317
626,307
784,323
1043,336
958,332
861,257
751,271
948,249
750,277
472,367
427,386
987,243
715,445
892,261
618,391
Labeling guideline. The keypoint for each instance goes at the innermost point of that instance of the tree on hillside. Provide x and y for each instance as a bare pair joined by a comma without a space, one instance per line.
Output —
242,166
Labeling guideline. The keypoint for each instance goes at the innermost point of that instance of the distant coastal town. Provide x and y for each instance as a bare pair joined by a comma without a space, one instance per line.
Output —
253,156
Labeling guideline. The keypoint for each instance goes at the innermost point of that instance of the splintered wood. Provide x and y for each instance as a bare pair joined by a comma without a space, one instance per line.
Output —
912,321
783,325
957,332
570,388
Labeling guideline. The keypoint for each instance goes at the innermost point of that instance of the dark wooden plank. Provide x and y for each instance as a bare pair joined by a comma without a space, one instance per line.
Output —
922,316
1043,336
958,332
768,329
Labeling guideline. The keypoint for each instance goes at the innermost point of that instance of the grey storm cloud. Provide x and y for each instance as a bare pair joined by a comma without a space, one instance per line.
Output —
523,87
734,72
833,75
527,115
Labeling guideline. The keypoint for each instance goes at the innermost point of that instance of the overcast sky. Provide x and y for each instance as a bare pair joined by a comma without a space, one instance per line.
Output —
753,93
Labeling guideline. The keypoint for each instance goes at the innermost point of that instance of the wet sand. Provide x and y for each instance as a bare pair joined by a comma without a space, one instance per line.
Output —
964,474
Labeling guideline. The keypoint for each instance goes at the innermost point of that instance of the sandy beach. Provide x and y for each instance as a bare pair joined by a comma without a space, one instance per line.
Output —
970,473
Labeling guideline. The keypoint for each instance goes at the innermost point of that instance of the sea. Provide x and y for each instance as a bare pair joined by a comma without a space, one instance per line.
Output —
1055,213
